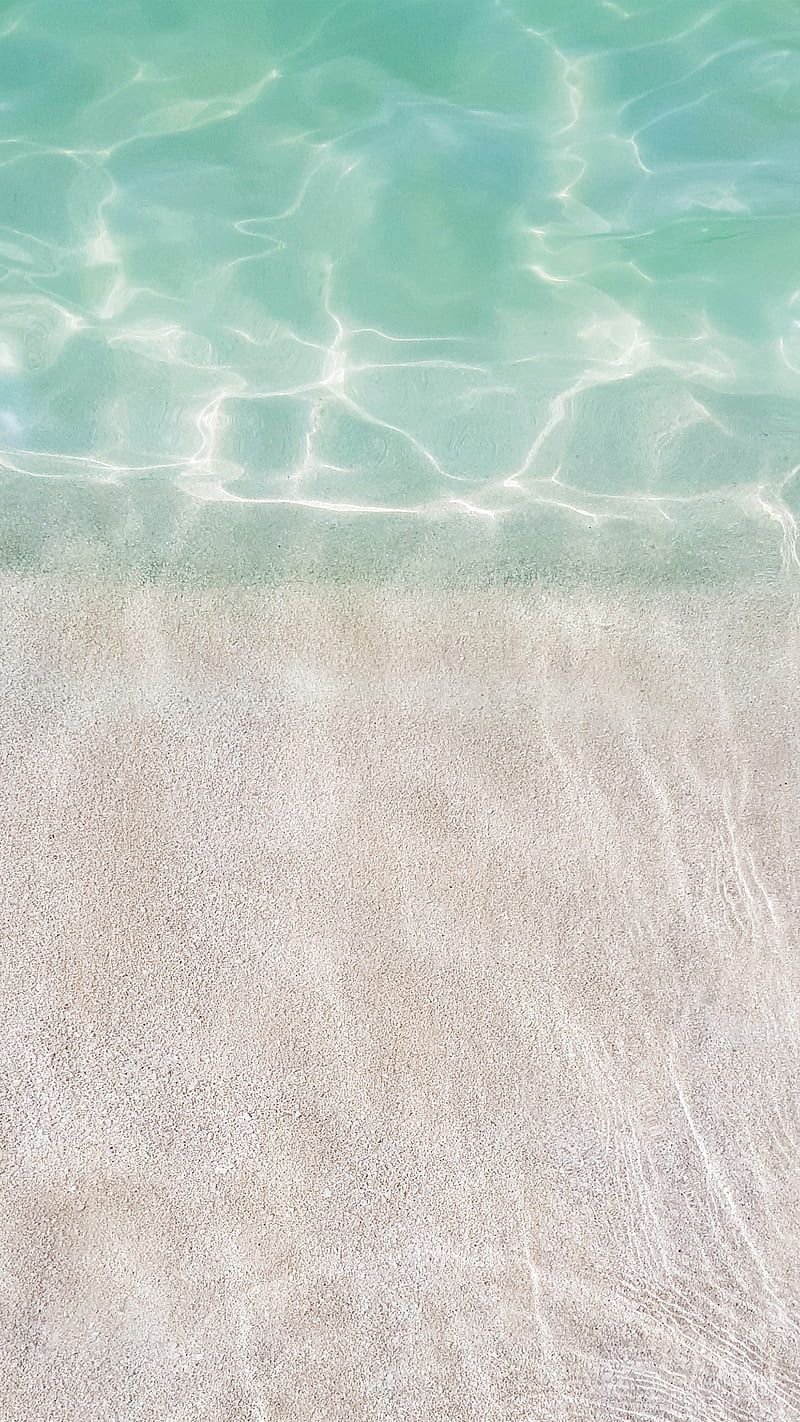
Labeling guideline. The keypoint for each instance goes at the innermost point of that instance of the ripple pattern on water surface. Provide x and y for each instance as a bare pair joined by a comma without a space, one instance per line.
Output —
463,257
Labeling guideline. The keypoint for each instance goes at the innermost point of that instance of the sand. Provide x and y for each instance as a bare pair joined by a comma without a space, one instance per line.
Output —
400,1001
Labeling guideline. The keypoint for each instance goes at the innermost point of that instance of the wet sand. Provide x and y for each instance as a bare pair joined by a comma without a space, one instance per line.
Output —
401,1000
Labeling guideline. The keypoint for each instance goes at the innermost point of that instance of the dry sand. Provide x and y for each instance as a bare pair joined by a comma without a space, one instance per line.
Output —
401,1001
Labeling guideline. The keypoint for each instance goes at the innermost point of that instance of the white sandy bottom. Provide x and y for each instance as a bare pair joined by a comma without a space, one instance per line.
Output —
401,1002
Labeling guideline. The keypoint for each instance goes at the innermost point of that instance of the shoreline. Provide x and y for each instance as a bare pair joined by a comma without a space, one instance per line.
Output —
150,532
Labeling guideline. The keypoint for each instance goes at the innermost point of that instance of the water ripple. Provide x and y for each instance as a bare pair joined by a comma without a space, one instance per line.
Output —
499,256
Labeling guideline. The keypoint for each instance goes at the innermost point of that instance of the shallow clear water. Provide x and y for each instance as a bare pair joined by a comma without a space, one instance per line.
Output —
399,767
529,268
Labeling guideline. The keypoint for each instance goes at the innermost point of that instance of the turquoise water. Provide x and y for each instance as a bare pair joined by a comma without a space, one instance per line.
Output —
467,273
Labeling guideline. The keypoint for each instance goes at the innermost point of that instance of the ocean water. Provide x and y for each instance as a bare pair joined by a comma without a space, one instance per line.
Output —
399,672
511,283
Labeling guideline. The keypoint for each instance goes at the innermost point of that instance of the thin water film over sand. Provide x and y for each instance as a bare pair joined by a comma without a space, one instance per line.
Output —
413,1031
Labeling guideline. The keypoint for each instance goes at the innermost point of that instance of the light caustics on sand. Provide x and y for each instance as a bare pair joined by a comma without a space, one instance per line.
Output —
470,260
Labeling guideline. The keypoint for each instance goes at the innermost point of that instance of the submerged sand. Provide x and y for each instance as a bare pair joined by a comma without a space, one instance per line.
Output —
401,1002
